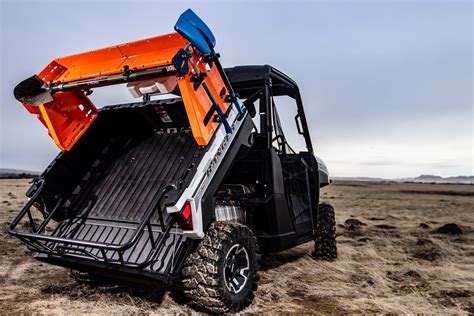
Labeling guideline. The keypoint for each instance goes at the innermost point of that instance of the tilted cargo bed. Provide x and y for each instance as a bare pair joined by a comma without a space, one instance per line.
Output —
115,211
112,207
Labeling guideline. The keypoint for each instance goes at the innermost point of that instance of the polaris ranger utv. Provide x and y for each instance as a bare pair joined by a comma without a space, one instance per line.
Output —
193,186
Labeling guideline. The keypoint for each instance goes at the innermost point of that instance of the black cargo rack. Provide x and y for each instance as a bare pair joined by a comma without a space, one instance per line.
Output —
120,216
52,244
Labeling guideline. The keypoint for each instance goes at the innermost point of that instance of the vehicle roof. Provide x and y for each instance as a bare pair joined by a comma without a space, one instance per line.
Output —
250,79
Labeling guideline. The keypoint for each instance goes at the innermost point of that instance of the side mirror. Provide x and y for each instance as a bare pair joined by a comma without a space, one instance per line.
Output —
192,28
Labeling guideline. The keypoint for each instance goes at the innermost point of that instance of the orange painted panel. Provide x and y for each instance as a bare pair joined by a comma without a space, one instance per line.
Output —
147,53
67,117
197,102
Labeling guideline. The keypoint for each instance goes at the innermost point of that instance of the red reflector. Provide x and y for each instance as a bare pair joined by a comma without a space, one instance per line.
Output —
186,211
184,218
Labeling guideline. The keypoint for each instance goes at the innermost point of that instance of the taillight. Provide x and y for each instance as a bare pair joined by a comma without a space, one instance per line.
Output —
184,218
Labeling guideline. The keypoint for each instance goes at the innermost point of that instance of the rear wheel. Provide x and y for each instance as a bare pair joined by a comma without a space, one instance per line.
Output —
221,275
325,234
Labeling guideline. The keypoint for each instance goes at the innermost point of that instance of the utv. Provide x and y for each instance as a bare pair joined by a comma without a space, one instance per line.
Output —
191,186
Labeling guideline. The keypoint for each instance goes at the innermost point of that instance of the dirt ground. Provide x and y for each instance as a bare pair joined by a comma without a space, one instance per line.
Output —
392,259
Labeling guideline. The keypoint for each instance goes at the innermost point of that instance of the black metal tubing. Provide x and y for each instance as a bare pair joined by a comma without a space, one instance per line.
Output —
128,77
32,238
266,121
105,259
248,80
115,271
26,209
299,103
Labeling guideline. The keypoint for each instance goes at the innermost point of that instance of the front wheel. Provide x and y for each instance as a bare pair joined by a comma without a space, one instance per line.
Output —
325,234
221,275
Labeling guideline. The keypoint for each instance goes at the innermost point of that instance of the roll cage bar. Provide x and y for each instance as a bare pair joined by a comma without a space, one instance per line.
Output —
264,82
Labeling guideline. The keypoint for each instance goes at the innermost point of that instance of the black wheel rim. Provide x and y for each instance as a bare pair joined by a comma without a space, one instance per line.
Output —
236,268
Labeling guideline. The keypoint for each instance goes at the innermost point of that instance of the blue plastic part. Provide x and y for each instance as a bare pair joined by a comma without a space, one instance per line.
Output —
192,28
237,104
180,61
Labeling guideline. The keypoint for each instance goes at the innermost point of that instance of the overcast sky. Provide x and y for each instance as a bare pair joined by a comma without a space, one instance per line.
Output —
387,85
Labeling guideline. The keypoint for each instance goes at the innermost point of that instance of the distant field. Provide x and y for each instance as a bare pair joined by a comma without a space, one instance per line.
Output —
391,259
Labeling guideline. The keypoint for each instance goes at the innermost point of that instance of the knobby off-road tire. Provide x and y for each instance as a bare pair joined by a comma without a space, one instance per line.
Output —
325,234
214,276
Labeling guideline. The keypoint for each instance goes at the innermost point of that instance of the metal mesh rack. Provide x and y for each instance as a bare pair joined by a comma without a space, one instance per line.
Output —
119,216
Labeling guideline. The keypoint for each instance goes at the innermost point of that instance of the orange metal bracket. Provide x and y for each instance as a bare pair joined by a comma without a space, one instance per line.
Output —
197,102
68,117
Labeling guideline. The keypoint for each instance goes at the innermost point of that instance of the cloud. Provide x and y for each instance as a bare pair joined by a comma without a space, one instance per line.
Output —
387,86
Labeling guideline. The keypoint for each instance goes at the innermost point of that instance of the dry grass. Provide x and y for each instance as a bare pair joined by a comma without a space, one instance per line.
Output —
387,262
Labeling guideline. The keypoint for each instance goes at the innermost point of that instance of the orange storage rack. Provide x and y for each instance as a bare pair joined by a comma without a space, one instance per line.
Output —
70,78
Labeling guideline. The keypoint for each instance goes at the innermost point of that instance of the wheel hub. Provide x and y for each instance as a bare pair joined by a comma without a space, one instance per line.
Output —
236,268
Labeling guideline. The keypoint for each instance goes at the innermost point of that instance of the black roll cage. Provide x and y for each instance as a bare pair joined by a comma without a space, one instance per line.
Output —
264,82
